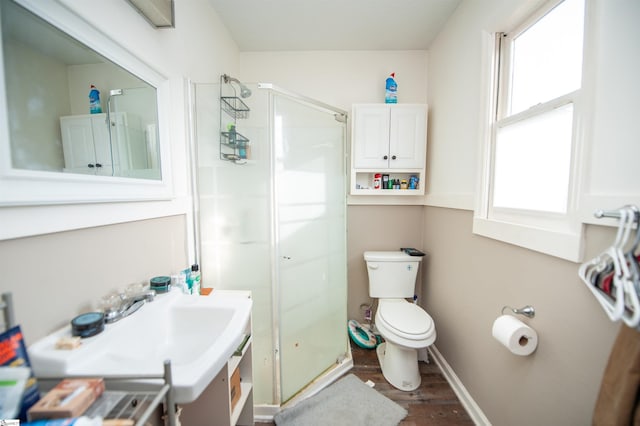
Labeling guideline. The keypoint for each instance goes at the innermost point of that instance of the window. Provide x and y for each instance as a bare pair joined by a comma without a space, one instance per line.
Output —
529,167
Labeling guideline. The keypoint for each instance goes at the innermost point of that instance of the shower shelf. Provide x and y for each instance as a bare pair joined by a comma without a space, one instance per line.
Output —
234,147
234,107
233,140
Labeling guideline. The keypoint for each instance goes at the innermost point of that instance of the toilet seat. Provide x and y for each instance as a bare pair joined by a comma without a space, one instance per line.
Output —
404,319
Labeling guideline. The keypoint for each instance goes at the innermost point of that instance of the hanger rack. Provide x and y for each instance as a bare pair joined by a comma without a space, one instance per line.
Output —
613,277
614,214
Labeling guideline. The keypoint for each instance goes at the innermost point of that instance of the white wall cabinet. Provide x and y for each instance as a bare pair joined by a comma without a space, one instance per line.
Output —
388,139
90,149
85,143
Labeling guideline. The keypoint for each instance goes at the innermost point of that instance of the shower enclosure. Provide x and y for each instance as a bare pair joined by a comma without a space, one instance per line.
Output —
274,222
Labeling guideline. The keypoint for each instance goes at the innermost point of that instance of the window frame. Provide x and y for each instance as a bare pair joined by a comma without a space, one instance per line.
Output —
556,234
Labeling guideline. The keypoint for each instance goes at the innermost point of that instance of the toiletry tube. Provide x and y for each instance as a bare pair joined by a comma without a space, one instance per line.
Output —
515,335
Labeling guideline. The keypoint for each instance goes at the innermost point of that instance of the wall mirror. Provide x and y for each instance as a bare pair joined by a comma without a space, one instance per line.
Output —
54,135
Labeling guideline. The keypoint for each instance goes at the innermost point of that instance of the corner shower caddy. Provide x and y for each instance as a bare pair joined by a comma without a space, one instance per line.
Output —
233,146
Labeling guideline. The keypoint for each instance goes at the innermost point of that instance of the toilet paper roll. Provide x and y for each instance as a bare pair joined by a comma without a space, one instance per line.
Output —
515,335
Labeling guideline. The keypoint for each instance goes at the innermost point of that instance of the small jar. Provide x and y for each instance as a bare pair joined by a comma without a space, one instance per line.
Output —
403,184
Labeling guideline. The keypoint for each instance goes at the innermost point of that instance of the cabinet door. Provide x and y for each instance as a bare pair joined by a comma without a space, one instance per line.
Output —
407,136
77,144
102,145
371,136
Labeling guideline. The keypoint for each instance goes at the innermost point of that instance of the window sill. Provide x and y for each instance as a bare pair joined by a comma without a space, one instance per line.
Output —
565,245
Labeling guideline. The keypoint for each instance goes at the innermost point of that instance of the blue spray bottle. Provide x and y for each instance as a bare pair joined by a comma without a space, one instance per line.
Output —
94,101
391,90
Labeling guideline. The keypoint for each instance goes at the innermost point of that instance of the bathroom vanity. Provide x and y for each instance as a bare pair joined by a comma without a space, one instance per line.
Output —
206,338
228,400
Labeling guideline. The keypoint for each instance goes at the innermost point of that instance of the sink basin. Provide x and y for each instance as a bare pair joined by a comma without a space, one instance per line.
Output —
197,333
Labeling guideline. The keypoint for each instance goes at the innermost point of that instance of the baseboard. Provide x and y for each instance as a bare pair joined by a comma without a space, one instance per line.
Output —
465,398
264,413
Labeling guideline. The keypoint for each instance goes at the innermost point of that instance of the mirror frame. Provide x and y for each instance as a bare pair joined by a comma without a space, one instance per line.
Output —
19,187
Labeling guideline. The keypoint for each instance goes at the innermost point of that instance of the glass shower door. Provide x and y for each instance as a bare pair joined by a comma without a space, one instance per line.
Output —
310,211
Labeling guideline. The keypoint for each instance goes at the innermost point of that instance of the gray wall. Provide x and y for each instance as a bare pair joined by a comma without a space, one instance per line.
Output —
467,281
57,276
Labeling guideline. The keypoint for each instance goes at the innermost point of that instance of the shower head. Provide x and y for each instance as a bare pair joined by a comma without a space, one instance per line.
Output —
245,92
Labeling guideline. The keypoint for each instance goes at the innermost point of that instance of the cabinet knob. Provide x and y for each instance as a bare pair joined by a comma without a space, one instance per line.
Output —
98,165
393,157
385,157
91,166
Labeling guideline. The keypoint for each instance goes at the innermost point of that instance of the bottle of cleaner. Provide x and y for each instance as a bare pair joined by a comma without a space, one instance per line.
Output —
391,92
94,101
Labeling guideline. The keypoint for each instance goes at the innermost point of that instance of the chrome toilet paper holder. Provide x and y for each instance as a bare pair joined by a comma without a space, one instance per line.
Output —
528,311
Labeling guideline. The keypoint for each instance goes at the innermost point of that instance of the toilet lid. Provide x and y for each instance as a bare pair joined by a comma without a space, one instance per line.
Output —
406,317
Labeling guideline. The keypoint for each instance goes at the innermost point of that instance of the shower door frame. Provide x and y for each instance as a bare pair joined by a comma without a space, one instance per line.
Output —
331,374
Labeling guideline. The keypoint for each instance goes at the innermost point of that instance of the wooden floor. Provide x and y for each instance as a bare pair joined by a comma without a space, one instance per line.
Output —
433,404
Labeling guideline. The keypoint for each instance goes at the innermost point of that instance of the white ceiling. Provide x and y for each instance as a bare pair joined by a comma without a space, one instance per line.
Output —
278,25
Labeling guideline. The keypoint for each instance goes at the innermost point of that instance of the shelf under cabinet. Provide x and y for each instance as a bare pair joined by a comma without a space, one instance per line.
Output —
246,390
362,182
386,192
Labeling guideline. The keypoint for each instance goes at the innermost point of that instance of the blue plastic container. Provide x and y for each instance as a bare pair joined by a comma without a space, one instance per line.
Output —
391,90
94,101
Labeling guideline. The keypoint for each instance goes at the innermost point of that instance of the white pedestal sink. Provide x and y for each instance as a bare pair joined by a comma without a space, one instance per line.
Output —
197,333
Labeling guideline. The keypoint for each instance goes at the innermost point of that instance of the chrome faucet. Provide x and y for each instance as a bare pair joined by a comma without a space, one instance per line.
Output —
127,305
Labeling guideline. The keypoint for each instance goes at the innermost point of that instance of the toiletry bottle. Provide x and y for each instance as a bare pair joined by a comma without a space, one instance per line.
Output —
391,90
377,180
94,101
232,134
195,279
385,181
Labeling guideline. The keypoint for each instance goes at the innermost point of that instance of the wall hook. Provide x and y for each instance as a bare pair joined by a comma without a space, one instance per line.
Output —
527,311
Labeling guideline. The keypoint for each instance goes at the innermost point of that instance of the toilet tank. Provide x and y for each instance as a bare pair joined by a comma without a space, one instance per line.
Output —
392,274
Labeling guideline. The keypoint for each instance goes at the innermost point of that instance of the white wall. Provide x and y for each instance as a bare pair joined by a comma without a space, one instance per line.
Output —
613,126
340,78
76,267
611,90
199,47
455,94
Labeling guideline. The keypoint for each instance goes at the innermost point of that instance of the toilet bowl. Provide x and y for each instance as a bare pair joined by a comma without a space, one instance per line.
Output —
405,326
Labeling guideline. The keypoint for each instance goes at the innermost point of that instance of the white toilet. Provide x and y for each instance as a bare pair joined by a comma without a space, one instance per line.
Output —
404,326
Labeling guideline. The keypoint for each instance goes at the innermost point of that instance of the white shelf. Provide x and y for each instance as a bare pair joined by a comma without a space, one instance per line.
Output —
246,391
387,192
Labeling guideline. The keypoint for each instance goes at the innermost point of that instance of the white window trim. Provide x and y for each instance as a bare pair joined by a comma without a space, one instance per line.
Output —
566,242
